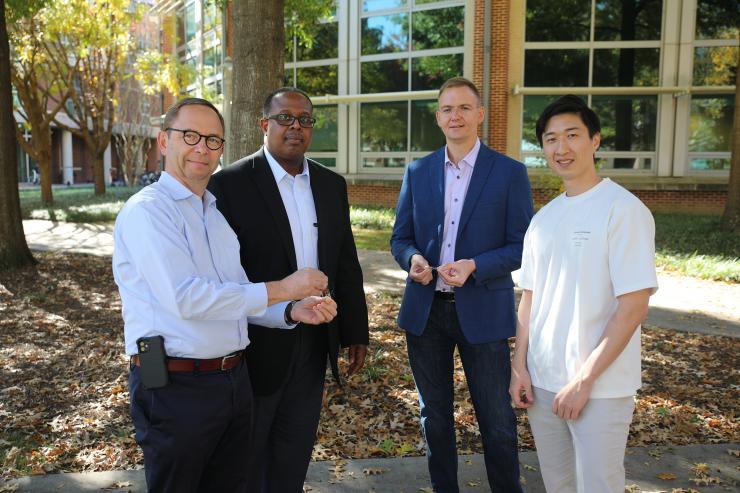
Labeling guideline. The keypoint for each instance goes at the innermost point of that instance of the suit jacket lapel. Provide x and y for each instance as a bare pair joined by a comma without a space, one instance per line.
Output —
437,197
323,210
267,186
481,170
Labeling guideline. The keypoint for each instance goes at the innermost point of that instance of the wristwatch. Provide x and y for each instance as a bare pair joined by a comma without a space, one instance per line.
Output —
288,310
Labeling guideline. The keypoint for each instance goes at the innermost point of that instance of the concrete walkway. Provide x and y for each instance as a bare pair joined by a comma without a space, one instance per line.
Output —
409,474
681,303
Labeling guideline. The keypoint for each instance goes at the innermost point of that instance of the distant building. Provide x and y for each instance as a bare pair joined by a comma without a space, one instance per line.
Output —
660,73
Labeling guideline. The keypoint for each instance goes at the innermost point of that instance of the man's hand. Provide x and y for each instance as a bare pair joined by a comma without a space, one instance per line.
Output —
520,388
420,270
571,399
456,273
356,357
314,310
304,282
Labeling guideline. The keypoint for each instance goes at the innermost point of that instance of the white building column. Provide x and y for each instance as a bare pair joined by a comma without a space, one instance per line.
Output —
68,175
106,166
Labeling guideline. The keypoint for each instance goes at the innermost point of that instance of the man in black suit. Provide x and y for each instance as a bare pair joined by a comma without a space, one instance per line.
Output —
291,213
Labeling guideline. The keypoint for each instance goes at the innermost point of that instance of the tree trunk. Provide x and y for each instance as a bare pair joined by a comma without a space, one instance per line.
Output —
731,217
258,69
14,251
43,159
99,170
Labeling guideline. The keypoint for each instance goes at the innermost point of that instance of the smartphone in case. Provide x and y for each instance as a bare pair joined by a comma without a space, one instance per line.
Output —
153,362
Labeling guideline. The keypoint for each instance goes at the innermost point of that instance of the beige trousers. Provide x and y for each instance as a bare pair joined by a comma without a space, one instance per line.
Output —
585,455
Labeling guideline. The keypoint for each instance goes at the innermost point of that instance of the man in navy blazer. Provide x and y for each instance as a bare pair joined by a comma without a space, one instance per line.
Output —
460,223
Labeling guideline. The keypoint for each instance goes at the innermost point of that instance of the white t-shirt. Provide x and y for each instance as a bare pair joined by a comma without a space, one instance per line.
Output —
580,253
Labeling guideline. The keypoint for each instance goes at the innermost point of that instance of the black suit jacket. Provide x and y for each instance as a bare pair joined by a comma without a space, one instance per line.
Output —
248,197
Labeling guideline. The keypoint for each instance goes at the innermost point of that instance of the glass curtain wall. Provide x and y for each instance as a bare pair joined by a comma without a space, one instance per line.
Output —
199,33
597,43
405,45
715,55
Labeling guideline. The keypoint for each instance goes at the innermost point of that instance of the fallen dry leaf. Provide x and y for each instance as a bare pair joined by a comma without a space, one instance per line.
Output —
373,471
666,476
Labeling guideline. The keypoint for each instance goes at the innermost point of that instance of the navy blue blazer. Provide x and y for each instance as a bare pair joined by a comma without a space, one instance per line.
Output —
494,218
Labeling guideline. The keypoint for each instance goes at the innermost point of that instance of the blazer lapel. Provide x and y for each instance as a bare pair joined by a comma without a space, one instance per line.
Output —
437,192
323,211
481,170
267,186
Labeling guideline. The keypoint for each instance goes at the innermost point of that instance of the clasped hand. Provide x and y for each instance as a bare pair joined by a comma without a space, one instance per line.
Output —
314,310
453,273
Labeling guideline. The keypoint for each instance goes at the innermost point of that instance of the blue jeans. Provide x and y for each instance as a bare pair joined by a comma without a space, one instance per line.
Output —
487,371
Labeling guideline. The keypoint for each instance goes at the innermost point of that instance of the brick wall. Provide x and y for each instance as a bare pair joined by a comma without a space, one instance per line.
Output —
499,61
682,201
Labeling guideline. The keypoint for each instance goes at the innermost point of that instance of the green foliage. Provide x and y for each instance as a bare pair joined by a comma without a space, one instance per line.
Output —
302,18
77,204
372,217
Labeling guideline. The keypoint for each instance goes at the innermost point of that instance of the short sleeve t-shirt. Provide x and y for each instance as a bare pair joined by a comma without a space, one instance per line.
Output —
580,254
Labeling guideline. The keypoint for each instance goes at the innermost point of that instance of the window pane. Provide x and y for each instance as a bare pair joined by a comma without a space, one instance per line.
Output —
430,72
190,22
325,43
329,162
626,67
705,164
370,5
626,20
717,19
383,162
317,80
385,34
564,20
637,163
383,126
211,15
628,123
288,77
325,132
715,66
710,125
440,28
384,76
555,68
533,107
211,60
425,134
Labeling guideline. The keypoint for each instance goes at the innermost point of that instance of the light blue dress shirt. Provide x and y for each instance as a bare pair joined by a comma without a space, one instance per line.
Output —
298,201
176,263
457,181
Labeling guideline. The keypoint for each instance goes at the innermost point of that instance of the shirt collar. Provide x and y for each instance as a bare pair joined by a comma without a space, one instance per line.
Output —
278,171
469,158
178,191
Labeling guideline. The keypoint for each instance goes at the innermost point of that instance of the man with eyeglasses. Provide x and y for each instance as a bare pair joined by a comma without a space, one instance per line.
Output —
460,223
176,263
289,213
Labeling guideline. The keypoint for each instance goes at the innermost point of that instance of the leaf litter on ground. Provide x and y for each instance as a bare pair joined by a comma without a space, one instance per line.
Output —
64,382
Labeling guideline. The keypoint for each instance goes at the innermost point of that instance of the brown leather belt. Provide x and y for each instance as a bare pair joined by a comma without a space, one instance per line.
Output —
190,365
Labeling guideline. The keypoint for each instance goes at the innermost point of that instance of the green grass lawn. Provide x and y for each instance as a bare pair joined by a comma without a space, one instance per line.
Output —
691,245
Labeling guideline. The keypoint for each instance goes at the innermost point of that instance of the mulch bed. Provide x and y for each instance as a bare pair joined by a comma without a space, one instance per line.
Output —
64,395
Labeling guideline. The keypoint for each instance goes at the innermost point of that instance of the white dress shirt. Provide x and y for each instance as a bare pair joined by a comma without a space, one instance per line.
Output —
457,180
176,263
298,201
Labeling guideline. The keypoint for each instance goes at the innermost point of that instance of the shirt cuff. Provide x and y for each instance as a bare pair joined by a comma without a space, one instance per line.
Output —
255,298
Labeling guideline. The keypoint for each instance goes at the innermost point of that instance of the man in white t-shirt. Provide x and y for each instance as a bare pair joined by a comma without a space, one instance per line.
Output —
588,270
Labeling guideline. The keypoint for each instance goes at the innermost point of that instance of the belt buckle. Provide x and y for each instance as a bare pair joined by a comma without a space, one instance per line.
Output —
225,358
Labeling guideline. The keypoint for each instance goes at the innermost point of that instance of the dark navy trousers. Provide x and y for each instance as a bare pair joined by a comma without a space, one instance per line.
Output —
487,372
195,431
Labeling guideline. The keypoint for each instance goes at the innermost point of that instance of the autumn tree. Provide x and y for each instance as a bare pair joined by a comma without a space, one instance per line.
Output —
259,68
41,91
14,250
93,36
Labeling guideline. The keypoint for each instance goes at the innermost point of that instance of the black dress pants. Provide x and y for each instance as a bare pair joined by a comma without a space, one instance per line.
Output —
194,432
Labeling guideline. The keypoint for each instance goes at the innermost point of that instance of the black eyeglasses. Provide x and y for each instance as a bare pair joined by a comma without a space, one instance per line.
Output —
287,120
191,138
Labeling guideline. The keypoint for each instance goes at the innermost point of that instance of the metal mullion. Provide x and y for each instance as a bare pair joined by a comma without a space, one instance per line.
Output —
438,5
557,45
591,32
316,63
625,44
377,13
708,43
379,57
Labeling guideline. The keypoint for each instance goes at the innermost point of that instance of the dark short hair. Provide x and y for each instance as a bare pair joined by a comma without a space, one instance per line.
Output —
174,110
459,82
267,106
568,104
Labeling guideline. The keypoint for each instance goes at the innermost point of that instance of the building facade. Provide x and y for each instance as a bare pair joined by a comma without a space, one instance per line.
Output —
660,73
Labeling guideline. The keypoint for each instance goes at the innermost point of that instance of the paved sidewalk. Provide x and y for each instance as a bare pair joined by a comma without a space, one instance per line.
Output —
409,474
